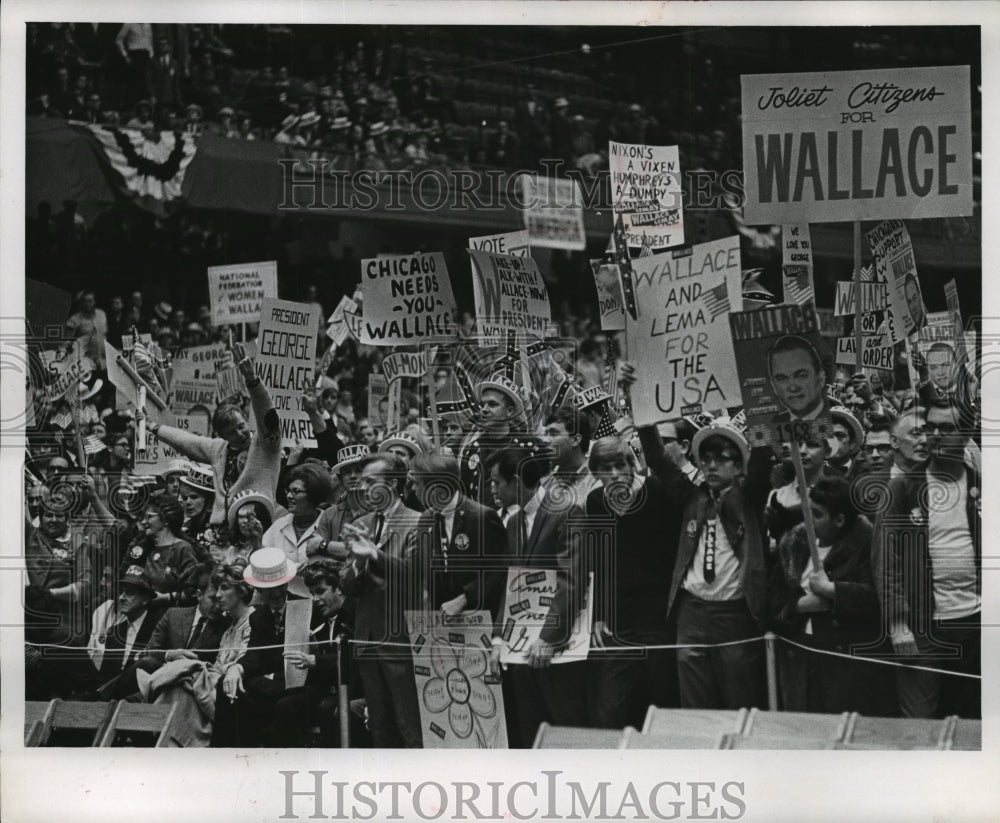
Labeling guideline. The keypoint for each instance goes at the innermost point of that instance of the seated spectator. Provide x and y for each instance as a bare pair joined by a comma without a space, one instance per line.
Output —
59,577
248,720
164,556
194,686
121,628
183,633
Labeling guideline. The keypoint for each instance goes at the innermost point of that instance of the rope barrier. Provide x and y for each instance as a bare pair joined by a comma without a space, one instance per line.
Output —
881,662
597,649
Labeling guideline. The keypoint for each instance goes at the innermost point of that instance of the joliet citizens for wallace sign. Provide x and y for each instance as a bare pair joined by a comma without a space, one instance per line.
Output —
857,145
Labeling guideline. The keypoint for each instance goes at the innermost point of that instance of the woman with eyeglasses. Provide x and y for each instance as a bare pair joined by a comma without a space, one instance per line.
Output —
309,486
111,463
164,554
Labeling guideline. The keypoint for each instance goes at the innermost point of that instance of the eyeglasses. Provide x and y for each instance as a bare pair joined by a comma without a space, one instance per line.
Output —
295,491
881,448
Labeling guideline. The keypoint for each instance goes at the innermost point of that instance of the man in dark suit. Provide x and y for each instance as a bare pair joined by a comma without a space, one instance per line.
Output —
166,76
183,631
460,544
537,538
379,543
121,629
798,381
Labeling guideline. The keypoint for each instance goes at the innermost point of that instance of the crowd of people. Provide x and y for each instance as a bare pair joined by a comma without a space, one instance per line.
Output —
375,101
182,587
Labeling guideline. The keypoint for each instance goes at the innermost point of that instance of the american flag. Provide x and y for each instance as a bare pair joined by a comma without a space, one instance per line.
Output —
606,428
62,420
717,301
92,444
625,267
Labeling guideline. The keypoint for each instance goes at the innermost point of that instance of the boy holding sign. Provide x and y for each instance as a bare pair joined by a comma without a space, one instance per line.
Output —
718,593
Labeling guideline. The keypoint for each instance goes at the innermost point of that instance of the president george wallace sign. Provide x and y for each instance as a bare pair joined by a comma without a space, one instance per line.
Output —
857,145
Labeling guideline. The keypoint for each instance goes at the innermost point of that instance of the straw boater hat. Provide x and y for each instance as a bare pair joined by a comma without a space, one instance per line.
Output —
199,476
245,497
176,467
310,118
404,439
504,385
163,310
839,414
351,454
269,568
726,431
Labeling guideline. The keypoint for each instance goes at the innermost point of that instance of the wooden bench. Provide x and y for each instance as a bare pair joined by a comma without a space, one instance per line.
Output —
634,739
570,737
693,722
830,727
88,720
140,718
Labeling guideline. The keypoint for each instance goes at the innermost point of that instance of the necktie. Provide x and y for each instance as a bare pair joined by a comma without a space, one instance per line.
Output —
199,627
443,532
708,568
279,623
379,525
115,644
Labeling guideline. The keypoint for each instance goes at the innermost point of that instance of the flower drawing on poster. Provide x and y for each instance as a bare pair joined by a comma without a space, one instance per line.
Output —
458,692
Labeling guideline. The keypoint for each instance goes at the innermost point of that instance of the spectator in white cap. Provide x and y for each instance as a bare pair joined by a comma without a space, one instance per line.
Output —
719,589
246,719
250,515
172,477
197,493
501,414
328,539
406,445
